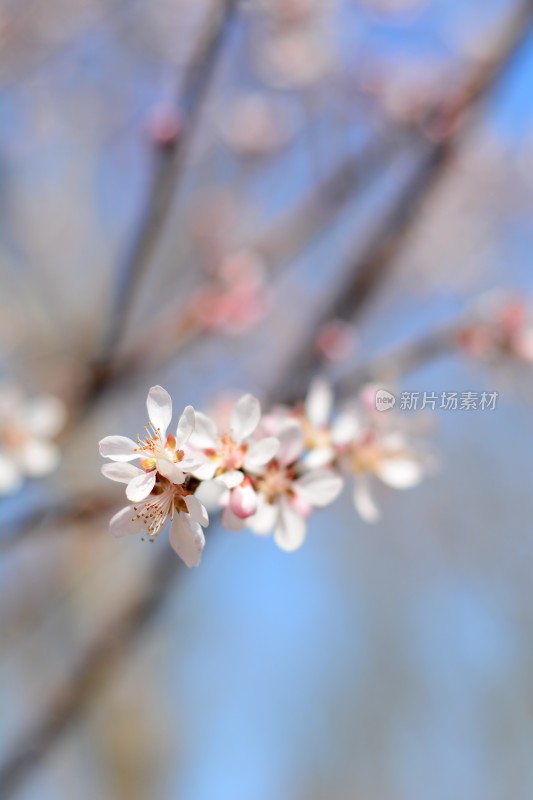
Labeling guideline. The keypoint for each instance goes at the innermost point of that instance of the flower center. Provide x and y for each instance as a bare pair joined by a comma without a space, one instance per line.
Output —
165,499
315,437
153,447
230,453
275,481
366,454
13,436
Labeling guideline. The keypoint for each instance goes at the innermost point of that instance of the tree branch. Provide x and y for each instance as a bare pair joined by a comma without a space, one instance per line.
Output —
169,162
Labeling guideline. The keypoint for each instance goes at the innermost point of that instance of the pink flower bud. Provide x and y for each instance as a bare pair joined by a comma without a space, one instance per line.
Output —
336,340
243,500
163,126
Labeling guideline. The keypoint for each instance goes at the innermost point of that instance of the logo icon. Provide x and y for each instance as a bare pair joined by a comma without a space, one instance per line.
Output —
385,400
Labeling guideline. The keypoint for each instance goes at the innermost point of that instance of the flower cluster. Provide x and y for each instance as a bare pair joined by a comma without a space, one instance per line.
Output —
267,472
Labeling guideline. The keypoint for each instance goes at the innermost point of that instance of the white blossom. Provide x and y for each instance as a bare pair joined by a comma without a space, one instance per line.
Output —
167,501
158,452
374,450
323,435
160,489
229,455
27,428
265,472
286,495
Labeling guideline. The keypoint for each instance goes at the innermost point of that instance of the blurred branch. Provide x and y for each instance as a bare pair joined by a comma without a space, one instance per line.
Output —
177,325
169,162
402,360
79,508
91,673
370,269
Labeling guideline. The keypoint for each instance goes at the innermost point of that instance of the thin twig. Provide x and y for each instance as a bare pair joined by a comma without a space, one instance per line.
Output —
326,201
402,360
169,163
79,508
177,326
370,269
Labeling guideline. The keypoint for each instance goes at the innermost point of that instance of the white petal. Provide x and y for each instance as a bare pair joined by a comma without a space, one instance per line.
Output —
125,523
231,522
159,407
207,471
245,417
265,518
205,431
318,457
400,473
39,458
122,473
187,539
230,479
291,528
320,487
262,452
170,471
363,500
394,442
209,493
140,487
346,428
196,510
192,462
45,416
10,476
118,448
185,426
319,402
291,442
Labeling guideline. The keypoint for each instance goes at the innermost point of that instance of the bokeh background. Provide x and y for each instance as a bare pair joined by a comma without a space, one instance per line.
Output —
191,191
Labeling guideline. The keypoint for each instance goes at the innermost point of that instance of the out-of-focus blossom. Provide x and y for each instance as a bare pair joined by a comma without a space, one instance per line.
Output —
372,447
159,454
27,428
237,298
382,457
322,437
257,124
501,328
291,11
295,58
336,340
429,92
361,442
